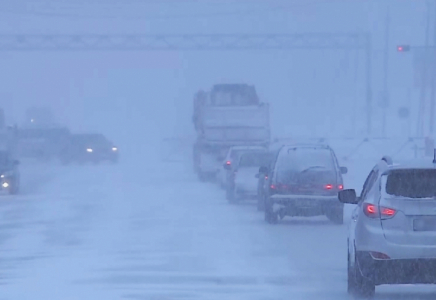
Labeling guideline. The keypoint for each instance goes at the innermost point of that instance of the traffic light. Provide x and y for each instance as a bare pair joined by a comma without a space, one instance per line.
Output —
403,48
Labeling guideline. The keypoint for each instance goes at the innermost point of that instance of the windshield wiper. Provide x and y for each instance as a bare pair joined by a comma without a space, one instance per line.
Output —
310,168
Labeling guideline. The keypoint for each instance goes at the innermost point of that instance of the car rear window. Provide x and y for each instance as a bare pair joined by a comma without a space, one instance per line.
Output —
255,159
306,164
412,183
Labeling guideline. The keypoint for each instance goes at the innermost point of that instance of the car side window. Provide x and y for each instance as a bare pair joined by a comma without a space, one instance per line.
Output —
272,168
372,178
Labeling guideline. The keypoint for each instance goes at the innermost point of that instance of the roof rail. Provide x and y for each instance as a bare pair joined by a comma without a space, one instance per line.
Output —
387,159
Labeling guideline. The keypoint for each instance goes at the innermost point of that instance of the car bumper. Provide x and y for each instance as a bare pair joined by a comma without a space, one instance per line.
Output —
397,271
305,205
369,236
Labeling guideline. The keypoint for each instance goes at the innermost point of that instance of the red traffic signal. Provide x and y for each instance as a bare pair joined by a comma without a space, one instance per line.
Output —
403,48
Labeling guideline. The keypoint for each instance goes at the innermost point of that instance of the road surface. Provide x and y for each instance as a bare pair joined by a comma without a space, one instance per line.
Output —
132,231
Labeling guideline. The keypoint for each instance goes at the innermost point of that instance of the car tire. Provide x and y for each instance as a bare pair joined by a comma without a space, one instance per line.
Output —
271,217
202,176
14,189
336,216
358,285
351,279
260,203
231,195
222,184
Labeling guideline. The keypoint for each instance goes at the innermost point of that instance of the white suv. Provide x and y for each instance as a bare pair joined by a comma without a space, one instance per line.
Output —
232,156
392,234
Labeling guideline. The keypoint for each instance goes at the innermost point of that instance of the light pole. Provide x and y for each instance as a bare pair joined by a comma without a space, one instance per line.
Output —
432,81
385,99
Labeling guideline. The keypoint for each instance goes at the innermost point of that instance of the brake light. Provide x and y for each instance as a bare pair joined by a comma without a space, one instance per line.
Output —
373,211
340,187
370,210
272,186
228,162
328,186
389,212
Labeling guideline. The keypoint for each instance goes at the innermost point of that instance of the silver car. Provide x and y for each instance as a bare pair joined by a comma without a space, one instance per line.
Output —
392,234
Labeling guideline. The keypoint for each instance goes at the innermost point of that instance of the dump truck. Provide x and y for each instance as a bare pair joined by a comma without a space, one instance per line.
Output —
228,115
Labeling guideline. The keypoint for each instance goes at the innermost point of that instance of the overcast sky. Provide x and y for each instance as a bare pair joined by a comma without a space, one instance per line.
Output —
148,95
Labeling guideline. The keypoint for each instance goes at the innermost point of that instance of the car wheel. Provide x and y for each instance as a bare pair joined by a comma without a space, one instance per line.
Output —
260,203
351,279
223,185
336,215
271,217
202,176
230,194
360,286
13,190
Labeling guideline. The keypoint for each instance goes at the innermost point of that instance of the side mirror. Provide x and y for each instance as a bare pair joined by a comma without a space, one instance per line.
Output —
257,176
348,196
263,170
344,170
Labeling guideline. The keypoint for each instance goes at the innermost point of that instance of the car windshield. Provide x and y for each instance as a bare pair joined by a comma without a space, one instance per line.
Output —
412,183
236,153
254,159
96,139
304,162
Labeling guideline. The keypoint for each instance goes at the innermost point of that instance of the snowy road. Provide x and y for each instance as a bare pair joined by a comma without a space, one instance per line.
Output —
134,232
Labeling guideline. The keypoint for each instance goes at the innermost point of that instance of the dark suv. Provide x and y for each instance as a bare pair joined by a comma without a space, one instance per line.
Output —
303,180
89,148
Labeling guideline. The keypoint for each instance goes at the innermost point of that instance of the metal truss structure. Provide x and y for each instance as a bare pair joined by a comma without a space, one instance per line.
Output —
64,42
196,42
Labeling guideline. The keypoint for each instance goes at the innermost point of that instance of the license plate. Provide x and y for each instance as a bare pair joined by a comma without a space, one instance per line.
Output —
305,203
424,224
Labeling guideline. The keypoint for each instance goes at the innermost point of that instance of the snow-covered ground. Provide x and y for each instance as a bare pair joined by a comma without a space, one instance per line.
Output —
155,232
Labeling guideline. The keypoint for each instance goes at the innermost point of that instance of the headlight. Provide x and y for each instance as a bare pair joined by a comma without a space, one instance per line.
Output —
89,150
114,149
6,174
5,184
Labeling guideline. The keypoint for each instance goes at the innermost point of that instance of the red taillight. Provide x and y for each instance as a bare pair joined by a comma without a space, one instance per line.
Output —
379,255
228,163
328,186
372,211
266,177
389,212
272,186
340,187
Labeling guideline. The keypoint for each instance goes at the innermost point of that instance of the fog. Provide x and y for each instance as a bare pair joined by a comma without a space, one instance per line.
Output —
140,99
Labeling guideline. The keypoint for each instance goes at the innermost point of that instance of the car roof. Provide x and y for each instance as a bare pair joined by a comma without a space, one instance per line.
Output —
419,163
313,146
248,148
